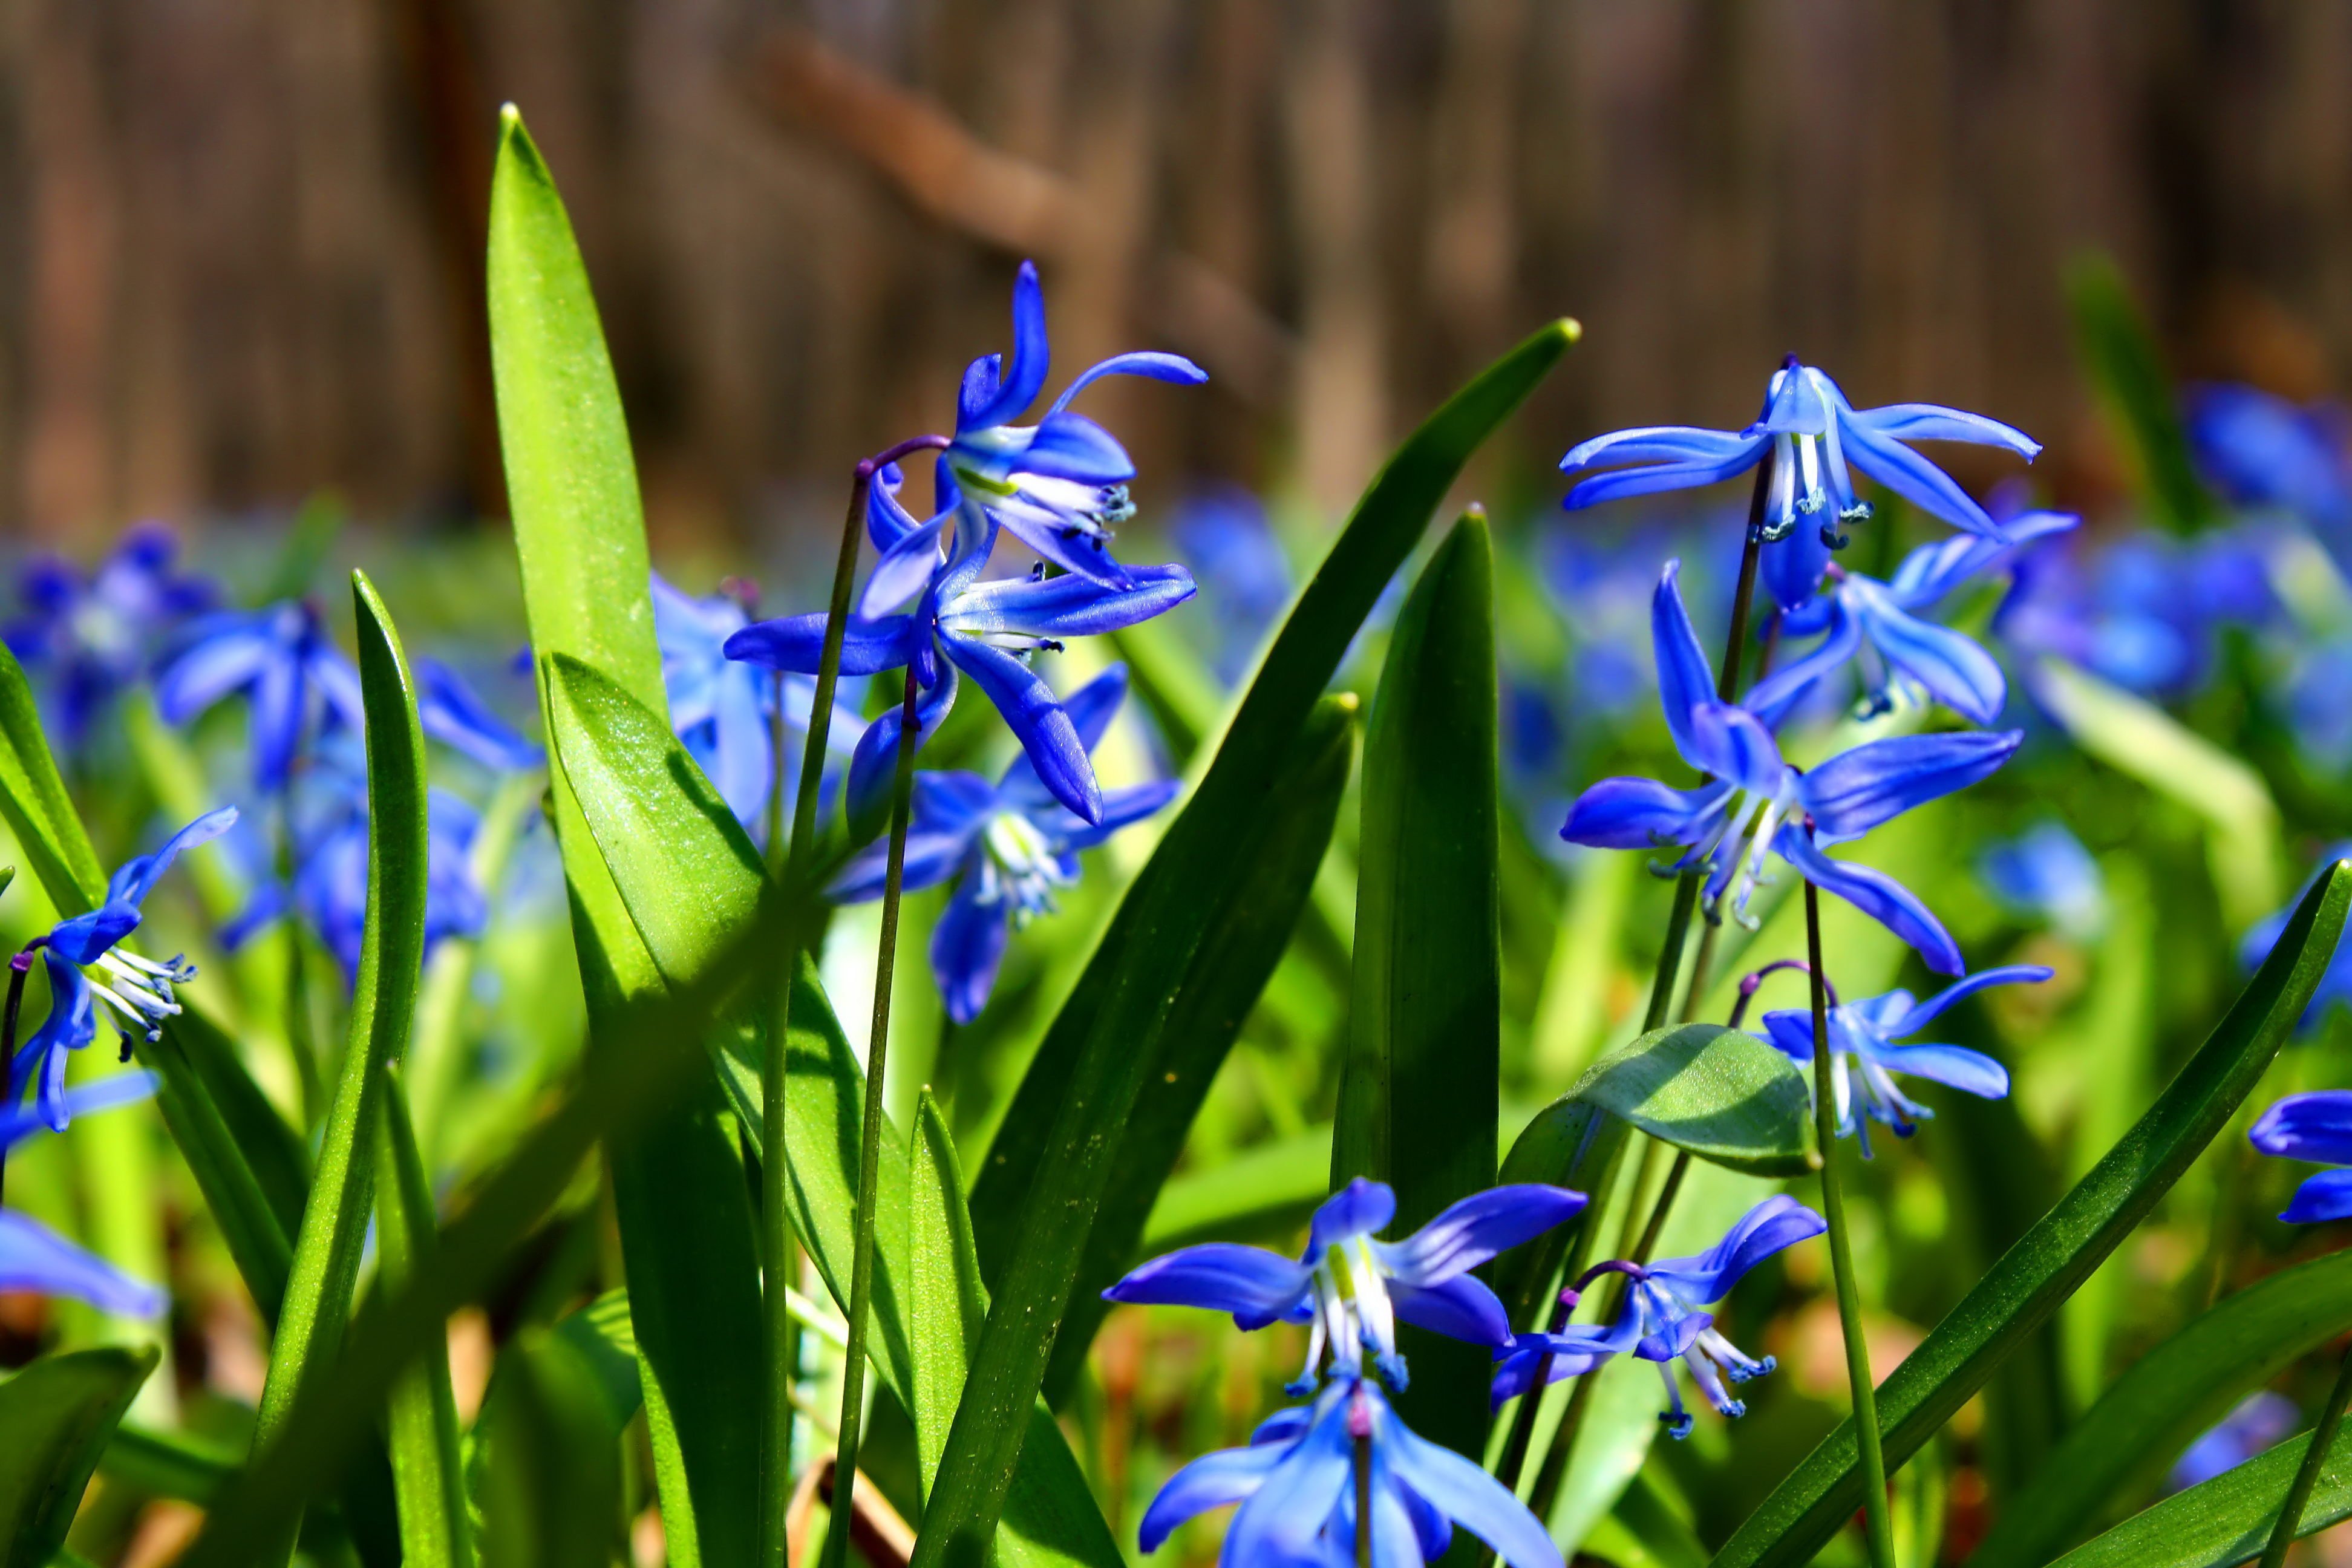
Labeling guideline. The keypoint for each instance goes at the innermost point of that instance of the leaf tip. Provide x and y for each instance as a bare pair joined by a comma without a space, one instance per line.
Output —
1569,328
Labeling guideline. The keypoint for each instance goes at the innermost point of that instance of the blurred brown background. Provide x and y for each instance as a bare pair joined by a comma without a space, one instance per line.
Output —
240,239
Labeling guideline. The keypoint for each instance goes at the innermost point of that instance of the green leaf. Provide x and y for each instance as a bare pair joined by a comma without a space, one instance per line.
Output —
946,1301
2120,356
685,1216
317,524
1573,1144
1261,1193
54,1418
335,1225
168,1463
428,1480
1149,948
2024,1288
33,798
1238,954
549,1459
2228,1519
2165,1399
1423,1075
606,1339
1722,1095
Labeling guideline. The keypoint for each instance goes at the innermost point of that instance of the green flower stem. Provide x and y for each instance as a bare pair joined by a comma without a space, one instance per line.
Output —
2306,1475
781,1346
1878,1529
870,1154
18,968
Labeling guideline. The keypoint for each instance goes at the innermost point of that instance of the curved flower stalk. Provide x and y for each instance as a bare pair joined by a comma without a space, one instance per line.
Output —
1009,846
35,1259
1660,1319
1756,804
986,629
86,639
1351,1288
1812,434
2317,1127
137,990
2044,874
1297,1505
1862,1051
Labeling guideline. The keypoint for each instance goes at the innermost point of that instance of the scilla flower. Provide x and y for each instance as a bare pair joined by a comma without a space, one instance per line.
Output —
85,967
2046,874
2261,1421
1755,804
1863,1050
1010,846
2264,451
1659,1319
1351,1288
294,678
1296,1485
2317,1127
35,1259
1812,434
86,639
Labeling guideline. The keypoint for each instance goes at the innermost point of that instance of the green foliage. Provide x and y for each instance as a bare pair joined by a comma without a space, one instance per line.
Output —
54,1418
428,1479
32,798
2225,1521
548,1452
2120,356
946,1301
1721,1094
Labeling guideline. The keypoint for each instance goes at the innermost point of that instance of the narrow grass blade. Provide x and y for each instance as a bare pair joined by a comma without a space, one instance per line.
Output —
2228,1519
32,798
383,1003
428,1479
2024,1288
56,1416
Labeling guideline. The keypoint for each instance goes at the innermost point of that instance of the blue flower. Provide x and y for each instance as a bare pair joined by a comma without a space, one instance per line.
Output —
1351,1288
88,638
2317,1127
1862,1037
2319,702
35,1258
1295,1483
1754,803
295,681
1659,1319
2046,874
453,712
1223,534
985,628
2262,451
2335,986
1902,659
2142,613
138,989
1009,846
2260,1420
1812,434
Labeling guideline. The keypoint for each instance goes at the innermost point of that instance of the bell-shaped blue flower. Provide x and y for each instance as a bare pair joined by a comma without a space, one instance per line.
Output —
2261,1421
1296,1486
1010,847
1755,804
1814,434
1865,1060
2044,874
1659,1318
86,966
2317,1127
987,629
449,709
1351,1288
293,677
35,1259
83,639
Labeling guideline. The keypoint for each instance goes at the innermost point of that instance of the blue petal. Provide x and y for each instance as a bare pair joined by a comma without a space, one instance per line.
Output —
1876,894
34,1257
224,653
978,390
1954,669
1641,814
933,854
1148,364
796,643
1771,698
1934,422
136,877
1914,1019
1123,808
1877,781
1778,1222
887,521
1037,721
451,712
874,765
1685,679
1255,1286
1658,444
2325,1196
1739,747
966,950
104,1094
1281,1523
1213,1480
1915,480
274,722
1073,447
1475,1229
1460,1308
1067,607
905,568
744,755
1471,1499
1362,1207
1971,1072
1792,567
1083,553
2315,1126
1025,377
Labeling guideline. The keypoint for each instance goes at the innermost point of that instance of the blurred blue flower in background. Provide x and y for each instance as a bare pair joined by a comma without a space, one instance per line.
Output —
1224,536
2335,985
2260,1422
1295,1485
2318,702
85,639
2142,613
1812,434
1861,1047
2044,874
1009,846
452,712
296,682
35,1259
2260,451
1660,1319
2315,1127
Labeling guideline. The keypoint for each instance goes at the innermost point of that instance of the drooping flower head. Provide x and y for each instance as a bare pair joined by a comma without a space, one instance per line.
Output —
1812,434
2317,1127
2044,874
1755,804
85,639
1352,1288
86,966
1864,1053
1009,846
1295,1483
1659,1319
35,1259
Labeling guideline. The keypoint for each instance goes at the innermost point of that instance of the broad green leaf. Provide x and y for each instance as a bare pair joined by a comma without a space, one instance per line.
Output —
2228,1519
2024,1288
1262,1194
2120,356
2162,1401
1719,1093
33,798
54,1418
606,1340
1570,1144
428,1480
1237,955
548,1458
1423,1074
686,1229
946,1301
1149,948
335,1225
